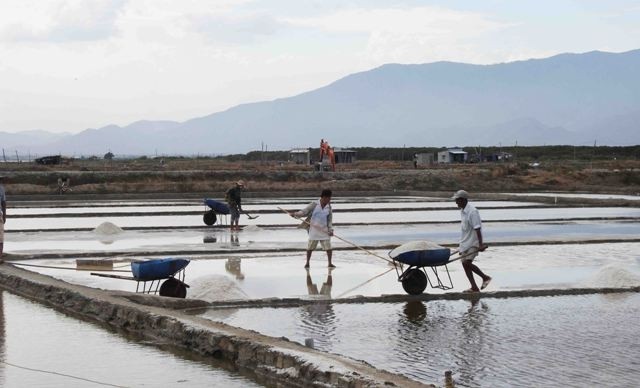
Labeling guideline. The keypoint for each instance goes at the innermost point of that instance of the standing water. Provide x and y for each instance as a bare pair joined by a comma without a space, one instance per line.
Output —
40,347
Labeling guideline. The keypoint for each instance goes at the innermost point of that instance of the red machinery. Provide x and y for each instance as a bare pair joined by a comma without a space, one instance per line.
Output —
326,150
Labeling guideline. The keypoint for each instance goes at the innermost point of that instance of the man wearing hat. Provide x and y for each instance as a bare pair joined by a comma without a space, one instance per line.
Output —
470,240
3,209
234,199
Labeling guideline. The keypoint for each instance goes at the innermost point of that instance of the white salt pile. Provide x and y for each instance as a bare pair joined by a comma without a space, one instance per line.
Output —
613,276
212,288
107,228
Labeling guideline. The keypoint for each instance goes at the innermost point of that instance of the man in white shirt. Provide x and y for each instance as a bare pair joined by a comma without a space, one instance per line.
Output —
470,240
319,223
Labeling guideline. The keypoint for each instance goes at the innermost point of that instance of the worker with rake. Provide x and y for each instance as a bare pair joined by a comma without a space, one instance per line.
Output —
319,224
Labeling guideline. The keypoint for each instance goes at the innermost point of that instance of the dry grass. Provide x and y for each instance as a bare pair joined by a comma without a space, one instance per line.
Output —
215,176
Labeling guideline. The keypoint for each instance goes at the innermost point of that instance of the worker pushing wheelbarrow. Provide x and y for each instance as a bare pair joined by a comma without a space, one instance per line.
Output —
418,255
233,206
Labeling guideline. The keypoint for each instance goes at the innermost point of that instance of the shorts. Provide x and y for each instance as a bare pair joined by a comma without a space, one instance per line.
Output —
471,255
1,231
235,213
325,244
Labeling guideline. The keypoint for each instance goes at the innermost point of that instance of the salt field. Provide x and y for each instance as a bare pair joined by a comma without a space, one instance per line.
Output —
485,342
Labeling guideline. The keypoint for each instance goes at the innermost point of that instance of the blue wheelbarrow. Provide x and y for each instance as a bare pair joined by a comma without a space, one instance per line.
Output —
418,255
154,271
215,208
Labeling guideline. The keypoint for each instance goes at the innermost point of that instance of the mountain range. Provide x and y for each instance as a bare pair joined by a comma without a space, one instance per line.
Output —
567,99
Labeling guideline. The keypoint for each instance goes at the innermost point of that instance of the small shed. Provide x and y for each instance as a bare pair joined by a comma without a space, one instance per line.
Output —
423,159
342,155
452,155
300,156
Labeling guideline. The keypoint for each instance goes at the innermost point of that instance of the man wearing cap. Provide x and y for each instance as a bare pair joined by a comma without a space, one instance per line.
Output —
3,208
234,199
470,240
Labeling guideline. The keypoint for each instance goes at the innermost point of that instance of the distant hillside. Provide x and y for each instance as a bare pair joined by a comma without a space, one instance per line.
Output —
566,99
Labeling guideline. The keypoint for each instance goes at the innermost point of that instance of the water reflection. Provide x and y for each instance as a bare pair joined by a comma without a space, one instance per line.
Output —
231,238
415,311
473,343
233,266
318,320
325,290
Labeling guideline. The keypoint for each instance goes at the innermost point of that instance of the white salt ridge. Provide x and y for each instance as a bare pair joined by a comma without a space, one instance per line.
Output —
214,288
613,276
107,228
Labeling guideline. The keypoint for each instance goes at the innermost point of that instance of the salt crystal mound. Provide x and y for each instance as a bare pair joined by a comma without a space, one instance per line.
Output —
614,277
213,288
107,228
415,246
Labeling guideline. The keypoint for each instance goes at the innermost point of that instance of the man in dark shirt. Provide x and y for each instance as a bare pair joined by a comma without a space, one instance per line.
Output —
234,199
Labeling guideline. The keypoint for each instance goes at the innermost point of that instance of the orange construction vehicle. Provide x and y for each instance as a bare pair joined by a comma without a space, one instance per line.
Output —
326,151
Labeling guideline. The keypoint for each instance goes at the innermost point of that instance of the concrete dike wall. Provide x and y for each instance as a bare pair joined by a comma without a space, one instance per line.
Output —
276,360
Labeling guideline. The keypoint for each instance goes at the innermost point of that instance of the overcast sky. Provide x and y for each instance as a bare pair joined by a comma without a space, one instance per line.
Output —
70,65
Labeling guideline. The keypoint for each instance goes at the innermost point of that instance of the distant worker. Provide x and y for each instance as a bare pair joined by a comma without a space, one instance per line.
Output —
3,207
233,197
319,224
470,240
64,185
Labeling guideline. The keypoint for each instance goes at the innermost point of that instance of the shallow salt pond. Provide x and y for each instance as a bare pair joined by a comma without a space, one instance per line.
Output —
569,341
41,339
253,276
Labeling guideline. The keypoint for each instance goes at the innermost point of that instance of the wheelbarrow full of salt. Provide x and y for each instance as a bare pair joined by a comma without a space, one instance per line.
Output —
418,255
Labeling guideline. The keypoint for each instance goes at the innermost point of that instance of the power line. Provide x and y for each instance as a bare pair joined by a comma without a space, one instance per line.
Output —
62,374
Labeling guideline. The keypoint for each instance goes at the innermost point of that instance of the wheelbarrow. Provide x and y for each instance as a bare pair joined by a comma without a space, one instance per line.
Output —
154,271
215,208
418,255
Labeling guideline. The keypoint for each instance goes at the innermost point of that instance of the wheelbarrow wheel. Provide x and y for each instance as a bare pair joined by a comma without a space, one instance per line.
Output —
173,288
209,217
414,281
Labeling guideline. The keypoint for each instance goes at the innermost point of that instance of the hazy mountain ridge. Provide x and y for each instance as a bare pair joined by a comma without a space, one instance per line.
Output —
564,99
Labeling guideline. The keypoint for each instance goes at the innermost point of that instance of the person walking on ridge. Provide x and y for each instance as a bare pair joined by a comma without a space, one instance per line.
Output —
470,240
